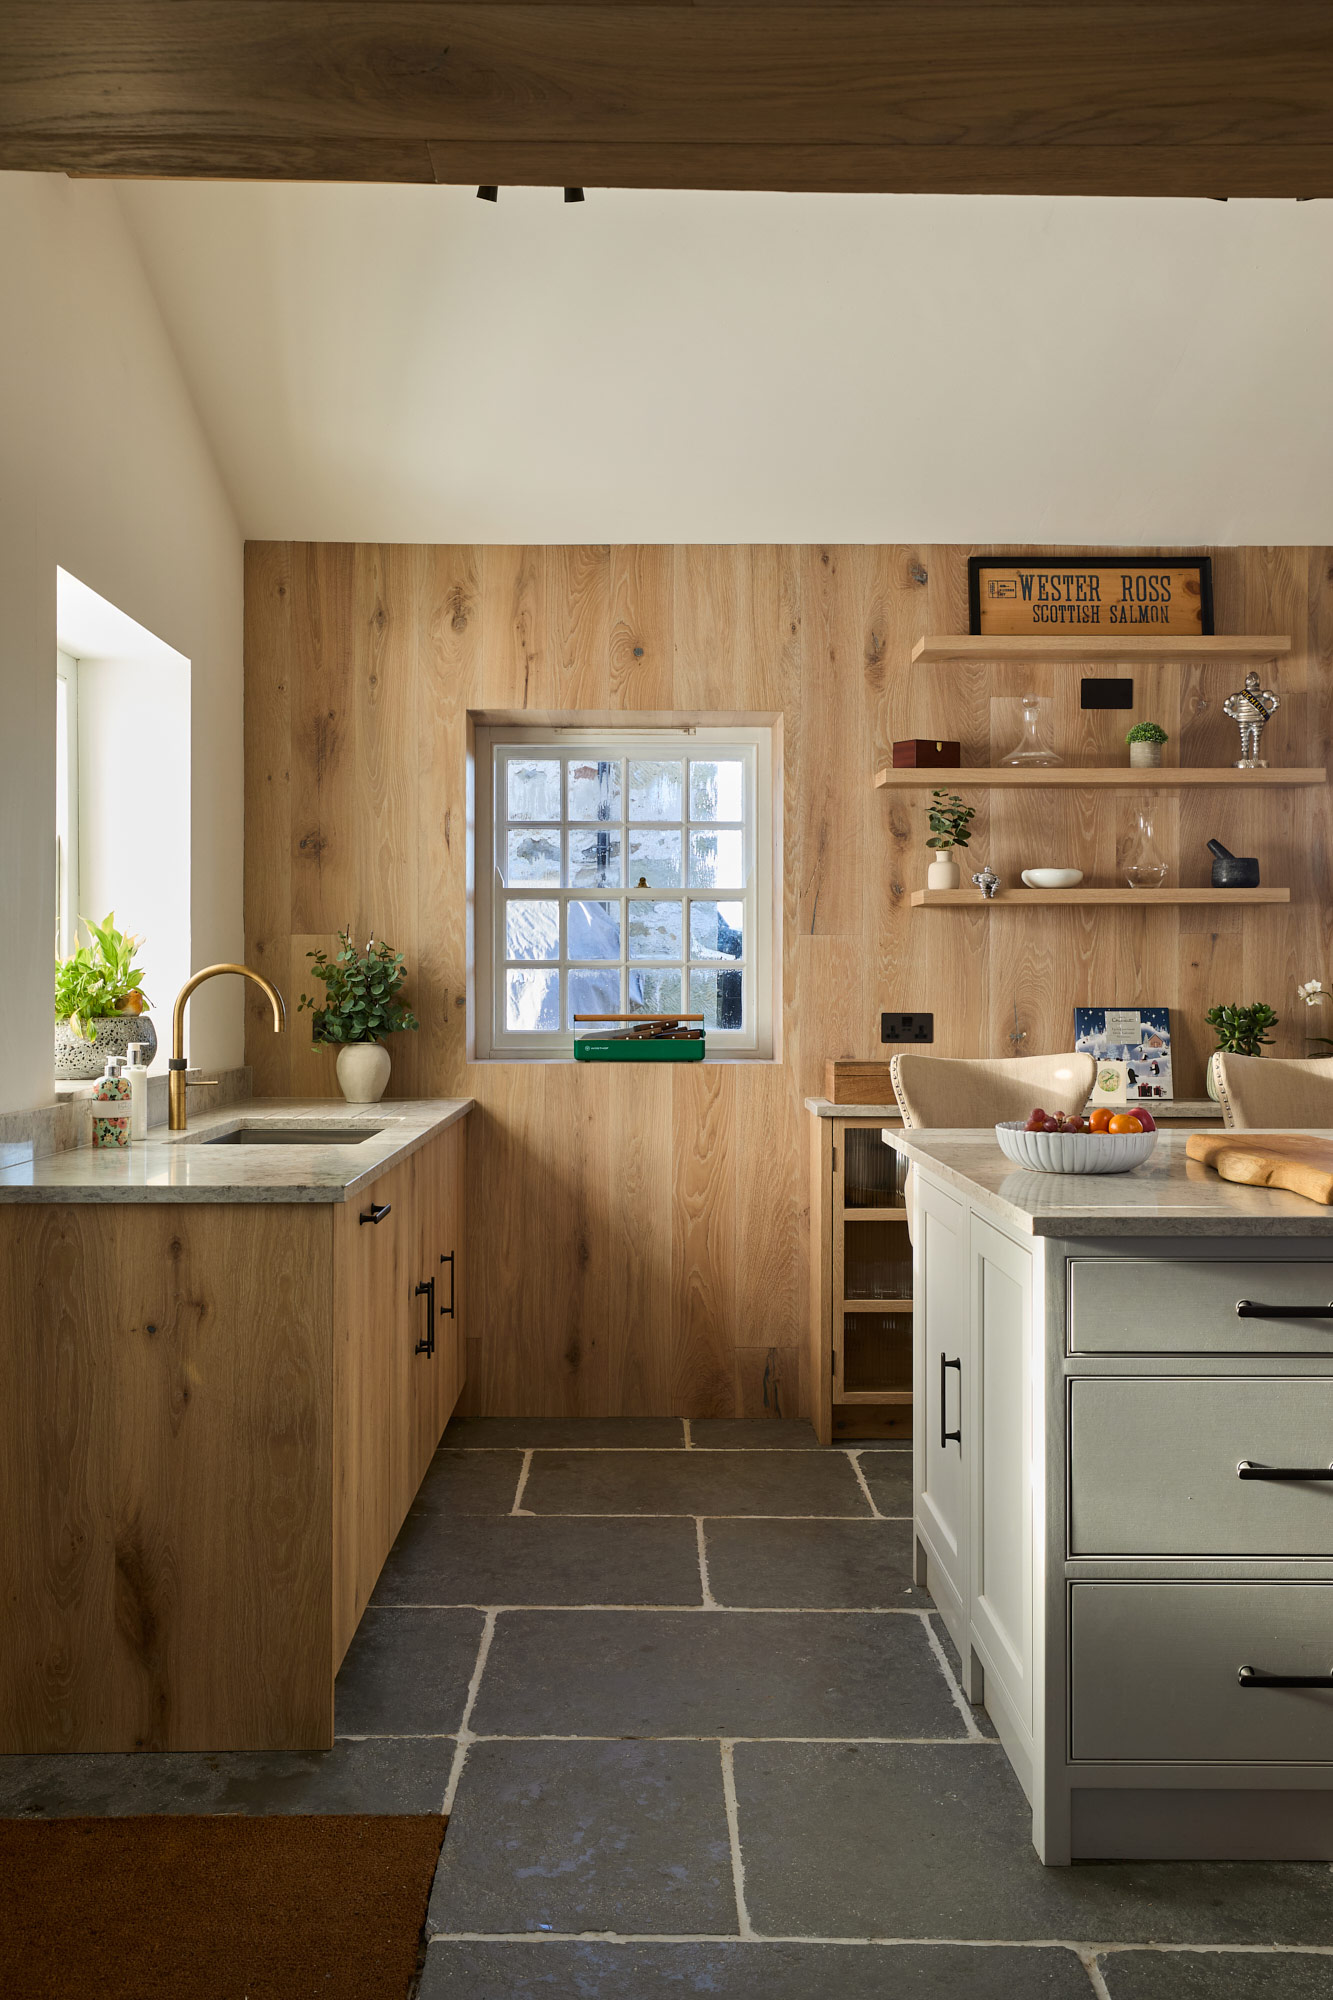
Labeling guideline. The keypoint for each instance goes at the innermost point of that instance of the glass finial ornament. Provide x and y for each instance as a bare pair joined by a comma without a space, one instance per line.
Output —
1030,752
1144,866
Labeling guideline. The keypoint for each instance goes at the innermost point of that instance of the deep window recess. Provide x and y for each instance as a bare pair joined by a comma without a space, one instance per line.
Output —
630,872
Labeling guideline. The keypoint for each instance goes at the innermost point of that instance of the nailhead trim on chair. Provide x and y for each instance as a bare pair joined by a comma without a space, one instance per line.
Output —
1228,1115
909,1123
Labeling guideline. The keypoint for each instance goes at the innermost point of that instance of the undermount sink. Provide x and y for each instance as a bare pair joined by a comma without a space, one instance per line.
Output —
295,1135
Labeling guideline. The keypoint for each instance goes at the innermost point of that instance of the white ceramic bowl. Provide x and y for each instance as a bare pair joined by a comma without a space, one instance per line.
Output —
1053,878
1073,1152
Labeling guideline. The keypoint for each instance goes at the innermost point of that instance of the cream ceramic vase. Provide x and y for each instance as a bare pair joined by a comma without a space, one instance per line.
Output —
943,872
1145,756
363,1071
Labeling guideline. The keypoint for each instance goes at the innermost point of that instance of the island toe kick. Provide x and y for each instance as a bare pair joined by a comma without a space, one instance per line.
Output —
1124,1496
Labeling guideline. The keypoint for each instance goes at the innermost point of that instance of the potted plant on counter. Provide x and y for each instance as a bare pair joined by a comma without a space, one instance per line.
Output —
950,824
1240,1031
361,1003
1145,742
100,1002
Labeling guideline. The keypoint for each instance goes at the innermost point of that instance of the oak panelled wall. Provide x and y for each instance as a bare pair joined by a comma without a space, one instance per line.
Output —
638,1235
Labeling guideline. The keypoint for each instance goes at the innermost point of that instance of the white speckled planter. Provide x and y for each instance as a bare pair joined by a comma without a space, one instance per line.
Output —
77,1060
363,1072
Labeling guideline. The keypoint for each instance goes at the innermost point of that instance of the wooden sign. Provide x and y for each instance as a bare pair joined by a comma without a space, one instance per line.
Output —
1051,594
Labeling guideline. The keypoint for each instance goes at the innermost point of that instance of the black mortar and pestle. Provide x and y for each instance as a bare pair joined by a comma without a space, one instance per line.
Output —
1233,871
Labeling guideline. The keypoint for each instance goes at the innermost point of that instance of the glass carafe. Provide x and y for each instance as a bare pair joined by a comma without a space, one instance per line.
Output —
1144,866
1030,751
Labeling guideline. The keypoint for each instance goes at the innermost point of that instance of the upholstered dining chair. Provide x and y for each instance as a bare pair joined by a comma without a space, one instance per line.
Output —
934,1091
1273,1093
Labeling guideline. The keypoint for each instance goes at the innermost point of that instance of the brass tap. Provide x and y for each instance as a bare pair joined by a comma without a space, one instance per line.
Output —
176,1067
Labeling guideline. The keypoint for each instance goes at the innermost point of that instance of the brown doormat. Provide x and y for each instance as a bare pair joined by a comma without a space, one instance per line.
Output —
195,1908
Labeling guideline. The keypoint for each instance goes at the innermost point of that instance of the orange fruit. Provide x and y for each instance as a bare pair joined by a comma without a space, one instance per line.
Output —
1099,1120
1125,1121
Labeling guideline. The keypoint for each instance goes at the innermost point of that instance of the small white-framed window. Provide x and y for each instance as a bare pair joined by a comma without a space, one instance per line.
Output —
623,871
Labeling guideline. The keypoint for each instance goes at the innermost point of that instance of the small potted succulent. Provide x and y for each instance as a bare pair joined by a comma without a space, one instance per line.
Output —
1240,1031
361,1003
1145,742
950,827
100,1003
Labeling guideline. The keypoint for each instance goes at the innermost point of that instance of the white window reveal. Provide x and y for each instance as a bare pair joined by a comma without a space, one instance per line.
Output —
631,873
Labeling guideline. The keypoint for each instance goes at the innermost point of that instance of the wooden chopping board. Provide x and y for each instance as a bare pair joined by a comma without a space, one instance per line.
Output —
1291,1160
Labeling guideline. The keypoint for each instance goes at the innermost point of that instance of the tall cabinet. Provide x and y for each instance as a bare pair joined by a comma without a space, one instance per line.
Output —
860,1277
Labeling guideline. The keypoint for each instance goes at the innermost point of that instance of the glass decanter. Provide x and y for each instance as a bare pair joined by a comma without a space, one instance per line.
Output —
1030,751
1144,866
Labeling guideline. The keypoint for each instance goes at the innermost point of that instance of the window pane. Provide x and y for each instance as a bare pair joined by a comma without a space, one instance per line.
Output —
532,1000
654,930
654,788
715,930
717,996
594,789
593,993
654,861
717,788
654,993
717,860
534,787
533,857
594,860
532,930
594,930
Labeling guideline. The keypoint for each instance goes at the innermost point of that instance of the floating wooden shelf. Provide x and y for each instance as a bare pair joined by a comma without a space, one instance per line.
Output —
1119,777
1004,899
1081,649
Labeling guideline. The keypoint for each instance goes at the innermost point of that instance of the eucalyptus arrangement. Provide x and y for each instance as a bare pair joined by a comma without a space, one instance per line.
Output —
362,1002
1145,742
950,826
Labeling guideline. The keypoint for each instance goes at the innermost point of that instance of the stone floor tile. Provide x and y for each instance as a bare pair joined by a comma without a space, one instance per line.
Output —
1212,1975
979,1715
378,1776
566,1433
512,1560
406,1673
694,1482
713,1673
927,1841
469,1482
753,1434
736,1971
824,1565
888,1474
587,1837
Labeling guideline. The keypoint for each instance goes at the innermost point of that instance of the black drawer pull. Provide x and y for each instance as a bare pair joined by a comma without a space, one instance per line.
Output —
447,1257
1247,1469
1252,1309
946,1435
377,1211
1252,1677
427,1289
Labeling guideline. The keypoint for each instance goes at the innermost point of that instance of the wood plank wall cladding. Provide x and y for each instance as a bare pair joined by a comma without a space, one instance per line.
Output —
638,1237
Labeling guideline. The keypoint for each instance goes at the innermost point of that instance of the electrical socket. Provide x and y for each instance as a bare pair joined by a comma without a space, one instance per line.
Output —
907,1027
1107,693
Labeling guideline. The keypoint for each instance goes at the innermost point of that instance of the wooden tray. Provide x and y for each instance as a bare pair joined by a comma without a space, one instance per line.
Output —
1294,1161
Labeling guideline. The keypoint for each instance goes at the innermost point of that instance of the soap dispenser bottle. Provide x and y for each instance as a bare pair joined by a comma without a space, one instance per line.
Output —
111,1105
136,1075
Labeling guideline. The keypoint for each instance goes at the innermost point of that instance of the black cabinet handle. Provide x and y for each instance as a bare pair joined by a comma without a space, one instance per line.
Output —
427,1288
945,1433
1252,1677
447,1257
377,1211
1247,1469
1252,1309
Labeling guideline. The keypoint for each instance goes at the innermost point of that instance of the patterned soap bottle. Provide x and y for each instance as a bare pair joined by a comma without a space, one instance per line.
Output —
112,1109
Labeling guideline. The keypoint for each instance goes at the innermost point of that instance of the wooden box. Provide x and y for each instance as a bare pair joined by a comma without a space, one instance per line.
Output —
858,1083
922,753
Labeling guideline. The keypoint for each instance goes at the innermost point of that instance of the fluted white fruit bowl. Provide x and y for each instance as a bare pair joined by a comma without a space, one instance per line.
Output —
1073,1152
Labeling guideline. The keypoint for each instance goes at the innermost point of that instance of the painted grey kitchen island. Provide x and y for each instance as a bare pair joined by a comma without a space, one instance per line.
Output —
1124,1492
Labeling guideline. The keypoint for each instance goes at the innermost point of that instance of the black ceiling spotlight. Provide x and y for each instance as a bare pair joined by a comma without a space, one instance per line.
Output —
488,194
573,194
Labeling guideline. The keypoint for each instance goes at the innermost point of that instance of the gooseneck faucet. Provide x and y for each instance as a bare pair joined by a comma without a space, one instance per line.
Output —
176,1066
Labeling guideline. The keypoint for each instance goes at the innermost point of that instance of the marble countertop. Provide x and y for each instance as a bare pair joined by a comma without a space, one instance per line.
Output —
1176,1110
1168,1195
180,1166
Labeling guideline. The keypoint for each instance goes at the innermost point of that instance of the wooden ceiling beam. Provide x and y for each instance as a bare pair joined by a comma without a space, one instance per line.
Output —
1171,97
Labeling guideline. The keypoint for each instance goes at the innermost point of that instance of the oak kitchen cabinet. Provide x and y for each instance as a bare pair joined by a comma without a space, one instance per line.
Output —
214,1415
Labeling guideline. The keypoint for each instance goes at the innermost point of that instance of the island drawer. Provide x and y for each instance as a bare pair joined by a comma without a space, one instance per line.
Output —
1154,1466
1160,1305
1156,1666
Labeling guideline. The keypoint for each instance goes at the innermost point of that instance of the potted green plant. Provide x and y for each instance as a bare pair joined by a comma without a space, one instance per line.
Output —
950,823
1145,742
1240,1031
100,1003
361,1003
